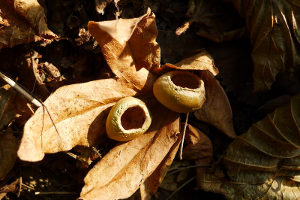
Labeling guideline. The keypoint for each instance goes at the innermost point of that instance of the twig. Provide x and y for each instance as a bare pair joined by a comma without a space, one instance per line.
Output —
21,90
183,136
57,193
30,98
187,167
183,185
20,186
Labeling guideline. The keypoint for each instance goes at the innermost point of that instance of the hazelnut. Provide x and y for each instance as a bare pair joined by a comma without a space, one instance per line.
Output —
128,119
180,91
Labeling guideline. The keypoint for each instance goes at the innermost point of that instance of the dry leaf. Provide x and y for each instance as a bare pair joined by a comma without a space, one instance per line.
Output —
78,112
216,109
20,21
7,112
200,61
128,45
199,148
215,20
121,172
8,153
260,163
274,34
150,186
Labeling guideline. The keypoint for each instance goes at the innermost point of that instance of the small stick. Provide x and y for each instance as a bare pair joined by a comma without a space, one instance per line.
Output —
27,96
57,193
21,90
183,136
182,186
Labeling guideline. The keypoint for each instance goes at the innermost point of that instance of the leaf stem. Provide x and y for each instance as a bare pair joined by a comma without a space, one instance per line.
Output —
183,135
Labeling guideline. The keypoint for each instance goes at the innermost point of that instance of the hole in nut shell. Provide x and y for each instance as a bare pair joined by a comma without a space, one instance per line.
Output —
133,118
186,80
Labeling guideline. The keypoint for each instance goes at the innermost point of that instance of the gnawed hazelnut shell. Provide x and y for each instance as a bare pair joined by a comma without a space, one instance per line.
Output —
180,91
128,119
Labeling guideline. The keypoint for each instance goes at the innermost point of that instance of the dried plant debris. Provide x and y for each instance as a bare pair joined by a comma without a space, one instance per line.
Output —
274,34
8,153
261,163
22,21
214,20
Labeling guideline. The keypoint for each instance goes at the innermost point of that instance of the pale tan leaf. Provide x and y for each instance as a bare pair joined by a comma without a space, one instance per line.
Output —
78,112
121,172
216,109
150,186
8,153
201,61
128,45
20,21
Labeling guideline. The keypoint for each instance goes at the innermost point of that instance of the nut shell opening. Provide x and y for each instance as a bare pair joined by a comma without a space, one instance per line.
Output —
133,118
127,119
186,80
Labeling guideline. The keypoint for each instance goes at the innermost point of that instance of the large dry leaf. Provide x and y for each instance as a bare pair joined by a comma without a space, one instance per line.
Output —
8,153
216,109
274,33
150,186
260,163
78,112
20,21
128,45
121,172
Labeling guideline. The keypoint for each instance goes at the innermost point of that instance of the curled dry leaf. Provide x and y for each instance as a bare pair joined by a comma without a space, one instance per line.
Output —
78,112
8,153
198,148
20,21
128,45
260,163
216,109
200,61
274,34
121,172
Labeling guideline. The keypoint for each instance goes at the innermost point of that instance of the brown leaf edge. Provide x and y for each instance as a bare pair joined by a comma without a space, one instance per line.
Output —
216,109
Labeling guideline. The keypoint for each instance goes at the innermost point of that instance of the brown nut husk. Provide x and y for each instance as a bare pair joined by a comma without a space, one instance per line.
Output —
180,91
128,119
